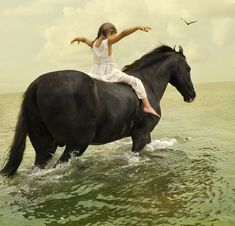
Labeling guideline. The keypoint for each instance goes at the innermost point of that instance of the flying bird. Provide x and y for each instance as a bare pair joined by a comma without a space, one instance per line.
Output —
188,23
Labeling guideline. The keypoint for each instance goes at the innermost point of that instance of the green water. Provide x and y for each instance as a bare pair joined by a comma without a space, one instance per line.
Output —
186,176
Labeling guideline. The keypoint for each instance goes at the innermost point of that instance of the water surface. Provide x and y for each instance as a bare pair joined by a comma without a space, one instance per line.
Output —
184,177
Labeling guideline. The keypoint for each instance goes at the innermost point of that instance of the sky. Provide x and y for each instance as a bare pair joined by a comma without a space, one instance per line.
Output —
36,34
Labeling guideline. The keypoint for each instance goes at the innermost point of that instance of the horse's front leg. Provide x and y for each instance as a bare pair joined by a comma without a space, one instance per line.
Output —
140,139
149,140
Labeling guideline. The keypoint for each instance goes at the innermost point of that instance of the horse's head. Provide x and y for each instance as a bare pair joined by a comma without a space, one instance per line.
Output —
162,61
180,77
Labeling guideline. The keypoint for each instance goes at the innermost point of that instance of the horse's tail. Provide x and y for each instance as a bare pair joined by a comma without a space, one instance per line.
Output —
15,154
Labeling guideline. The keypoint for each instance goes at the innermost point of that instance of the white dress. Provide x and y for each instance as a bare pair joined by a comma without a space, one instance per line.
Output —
106,70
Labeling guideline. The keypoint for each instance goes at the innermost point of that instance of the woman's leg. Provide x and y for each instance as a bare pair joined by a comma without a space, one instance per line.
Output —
138,86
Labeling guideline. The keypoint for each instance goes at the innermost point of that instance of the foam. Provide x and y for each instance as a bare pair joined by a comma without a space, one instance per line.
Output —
161,144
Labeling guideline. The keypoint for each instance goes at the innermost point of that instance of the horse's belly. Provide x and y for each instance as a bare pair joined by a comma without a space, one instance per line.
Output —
104,139
111,131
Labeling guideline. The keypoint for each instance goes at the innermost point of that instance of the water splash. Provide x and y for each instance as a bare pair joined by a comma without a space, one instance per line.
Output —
161,144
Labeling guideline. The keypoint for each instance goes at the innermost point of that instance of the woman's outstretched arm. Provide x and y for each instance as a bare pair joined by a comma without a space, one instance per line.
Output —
127,32
82,39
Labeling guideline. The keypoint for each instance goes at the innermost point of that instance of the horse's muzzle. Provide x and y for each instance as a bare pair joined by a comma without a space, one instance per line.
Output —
190,100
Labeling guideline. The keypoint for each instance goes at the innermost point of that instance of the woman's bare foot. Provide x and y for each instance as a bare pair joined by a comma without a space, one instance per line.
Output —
150,110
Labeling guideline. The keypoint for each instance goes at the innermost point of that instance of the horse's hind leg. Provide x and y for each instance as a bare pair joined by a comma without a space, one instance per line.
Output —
69,151
42,142
44,154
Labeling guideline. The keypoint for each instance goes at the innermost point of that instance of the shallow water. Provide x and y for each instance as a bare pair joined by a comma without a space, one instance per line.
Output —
186,176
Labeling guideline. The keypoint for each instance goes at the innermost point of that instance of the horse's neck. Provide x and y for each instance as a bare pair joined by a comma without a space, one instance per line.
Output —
157,79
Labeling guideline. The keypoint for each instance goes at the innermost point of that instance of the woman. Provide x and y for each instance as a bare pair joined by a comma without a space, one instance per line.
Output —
105,69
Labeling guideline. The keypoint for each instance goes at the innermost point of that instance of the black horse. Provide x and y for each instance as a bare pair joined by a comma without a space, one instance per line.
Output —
72,109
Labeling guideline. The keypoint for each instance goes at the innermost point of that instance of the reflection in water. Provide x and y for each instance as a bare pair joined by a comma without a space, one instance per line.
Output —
162,186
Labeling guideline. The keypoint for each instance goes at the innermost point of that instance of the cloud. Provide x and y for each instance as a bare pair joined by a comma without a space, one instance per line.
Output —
36,7
84,21
207,9
196,53
221,30
162,16
176,30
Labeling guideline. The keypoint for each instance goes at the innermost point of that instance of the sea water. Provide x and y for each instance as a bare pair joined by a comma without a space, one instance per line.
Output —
185,176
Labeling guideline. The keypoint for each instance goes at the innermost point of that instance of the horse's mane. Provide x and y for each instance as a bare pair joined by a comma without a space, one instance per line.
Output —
154,56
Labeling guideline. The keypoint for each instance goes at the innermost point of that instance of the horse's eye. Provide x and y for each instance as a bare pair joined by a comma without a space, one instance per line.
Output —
188,68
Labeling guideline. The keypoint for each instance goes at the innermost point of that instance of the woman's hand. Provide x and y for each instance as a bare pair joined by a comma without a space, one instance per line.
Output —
144,28
75,40
83,39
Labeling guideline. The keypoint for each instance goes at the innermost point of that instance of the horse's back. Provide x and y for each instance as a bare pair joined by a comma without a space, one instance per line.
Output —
67,81
65,89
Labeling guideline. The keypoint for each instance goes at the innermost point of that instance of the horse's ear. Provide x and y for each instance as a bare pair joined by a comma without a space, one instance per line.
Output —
181,49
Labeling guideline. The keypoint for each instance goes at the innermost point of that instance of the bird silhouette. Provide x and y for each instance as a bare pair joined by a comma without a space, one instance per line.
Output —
190,22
